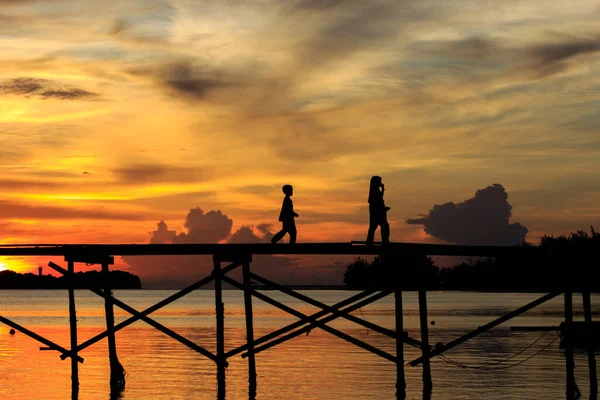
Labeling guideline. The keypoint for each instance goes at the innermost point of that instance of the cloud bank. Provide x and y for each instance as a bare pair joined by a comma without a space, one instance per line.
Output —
481,220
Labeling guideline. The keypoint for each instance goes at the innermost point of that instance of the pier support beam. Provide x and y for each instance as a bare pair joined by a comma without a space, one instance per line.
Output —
587,312
73,330
427,384
400,380
249,330
572,389
117,373
220,315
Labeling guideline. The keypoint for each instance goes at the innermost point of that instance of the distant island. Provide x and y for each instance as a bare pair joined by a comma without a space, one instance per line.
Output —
119,280
566,261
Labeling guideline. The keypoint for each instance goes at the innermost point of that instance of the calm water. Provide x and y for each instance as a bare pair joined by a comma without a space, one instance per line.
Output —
317,366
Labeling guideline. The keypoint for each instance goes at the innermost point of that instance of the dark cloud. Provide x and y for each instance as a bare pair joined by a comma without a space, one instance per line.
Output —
481,220
552,58
186,79
44,88
359,26
502,57
12,210
556,52
152,173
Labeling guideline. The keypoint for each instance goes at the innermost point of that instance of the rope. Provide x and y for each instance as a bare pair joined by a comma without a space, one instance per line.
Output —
495,364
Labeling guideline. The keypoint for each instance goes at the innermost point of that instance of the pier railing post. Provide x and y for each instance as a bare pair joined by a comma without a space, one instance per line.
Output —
73,329
568,341
117,373
400,380
249,329
427,384
587,312
220,316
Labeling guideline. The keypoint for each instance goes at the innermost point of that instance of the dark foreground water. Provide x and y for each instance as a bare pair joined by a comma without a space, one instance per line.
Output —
317,366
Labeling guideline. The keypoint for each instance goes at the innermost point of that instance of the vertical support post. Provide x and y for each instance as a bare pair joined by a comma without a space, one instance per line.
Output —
220,315
427,384
568,340
400,380
117,373
587,312
249,330
73,329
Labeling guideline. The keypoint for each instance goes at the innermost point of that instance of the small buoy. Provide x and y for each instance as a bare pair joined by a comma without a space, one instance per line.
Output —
12,331
432,323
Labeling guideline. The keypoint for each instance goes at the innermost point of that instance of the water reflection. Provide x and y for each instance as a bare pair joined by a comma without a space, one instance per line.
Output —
314,366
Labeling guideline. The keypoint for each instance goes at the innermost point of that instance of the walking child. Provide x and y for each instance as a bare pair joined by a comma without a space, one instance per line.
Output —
286,216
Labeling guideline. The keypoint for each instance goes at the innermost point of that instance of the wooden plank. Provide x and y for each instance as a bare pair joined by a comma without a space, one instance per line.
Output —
263,248
51,345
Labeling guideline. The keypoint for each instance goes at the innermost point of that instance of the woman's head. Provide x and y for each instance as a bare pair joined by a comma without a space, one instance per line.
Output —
375,180
374,193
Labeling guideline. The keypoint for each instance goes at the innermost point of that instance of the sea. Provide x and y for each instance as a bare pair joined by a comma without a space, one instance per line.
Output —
499,364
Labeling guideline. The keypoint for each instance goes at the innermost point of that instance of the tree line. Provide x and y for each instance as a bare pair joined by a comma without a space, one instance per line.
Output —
563,262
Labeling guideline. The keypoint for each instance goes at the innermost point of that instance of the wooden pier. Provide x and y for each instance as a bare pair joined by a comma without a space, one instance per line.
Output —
229,257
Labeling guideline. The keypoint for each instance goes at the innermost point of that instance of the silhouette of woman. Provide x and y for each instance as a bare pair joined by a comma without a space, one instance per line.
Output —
377,212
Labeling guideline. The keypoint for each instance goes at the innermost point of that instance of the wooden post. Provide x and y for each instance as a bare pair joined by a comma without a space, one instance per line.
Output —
427,384
220,315
73,329
249,330
587,311
400,380
117,373
568,335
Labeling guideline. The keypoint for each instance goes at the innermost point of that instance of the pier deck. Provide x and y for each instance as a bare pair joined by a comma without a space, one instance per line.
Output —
235,256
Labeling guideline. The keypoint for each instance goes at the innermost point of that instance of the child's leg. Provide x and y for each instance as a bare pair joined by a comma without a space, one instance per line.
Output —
279,235
292,231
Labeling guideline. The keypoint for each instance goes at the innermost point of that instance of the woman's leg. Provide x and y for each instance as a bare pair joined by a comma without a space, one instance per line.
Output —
371,234
385,232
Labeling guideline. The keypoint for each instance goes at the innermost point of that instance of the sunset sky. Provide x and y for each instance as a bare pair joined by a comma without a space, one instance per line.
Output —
116,115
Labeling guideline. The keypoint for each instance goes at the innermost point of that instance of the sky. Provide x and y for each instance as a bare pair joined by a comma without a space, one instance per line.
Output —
158,121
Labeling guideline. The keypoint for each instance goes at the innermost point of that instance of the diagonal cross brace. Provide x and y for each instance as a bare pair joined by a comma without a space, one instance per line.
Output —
313,322
66,353
144,318
294,325
336,311
155,307
322,324
441,349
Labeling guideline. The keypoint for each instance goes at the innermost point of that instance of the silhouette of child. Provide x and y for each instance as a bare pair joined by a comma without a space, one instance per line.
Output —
286,216
377,211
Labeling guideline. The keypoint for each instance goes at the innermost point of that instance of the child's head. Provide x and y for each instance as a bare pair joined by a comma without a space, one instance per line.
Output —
288,190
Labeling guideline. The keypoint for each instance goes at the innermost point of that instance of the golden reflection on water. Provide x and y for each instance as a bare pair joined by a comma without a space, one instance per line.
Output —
314,366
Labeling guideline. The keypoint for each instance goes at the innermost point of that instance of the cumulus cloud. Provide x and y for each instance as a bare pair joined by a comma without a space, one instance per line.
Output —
210,227
44,89
481,220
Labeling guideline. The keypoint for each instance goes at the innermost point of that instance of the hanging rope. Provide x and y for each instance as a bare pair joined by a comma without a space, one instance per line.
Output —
496,364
